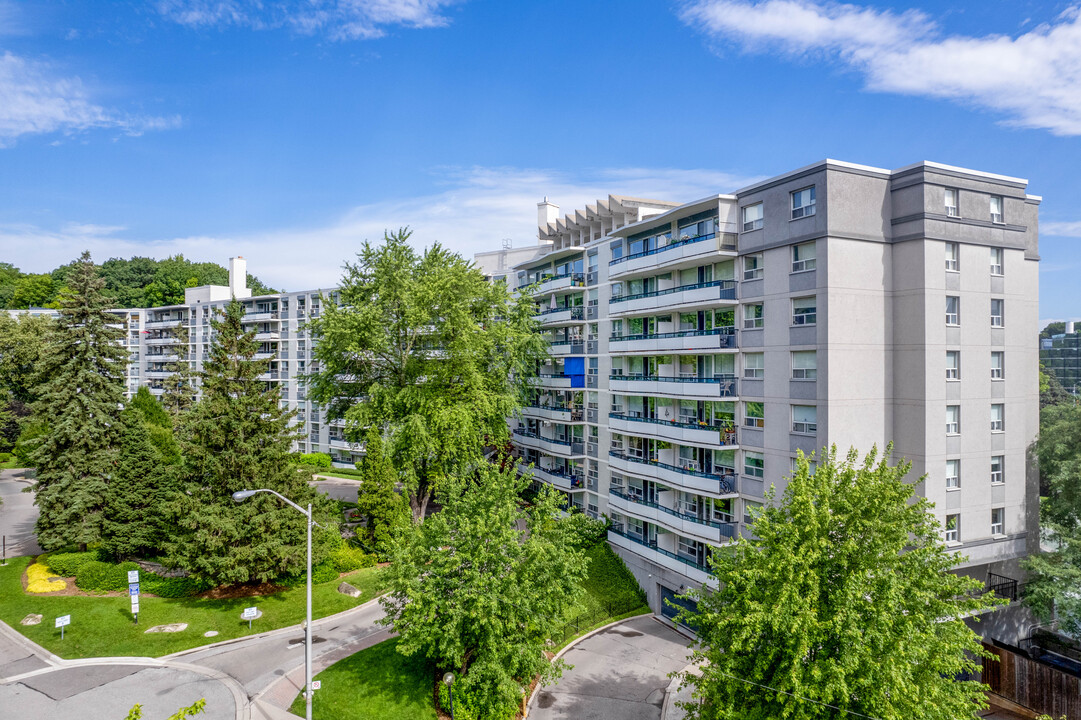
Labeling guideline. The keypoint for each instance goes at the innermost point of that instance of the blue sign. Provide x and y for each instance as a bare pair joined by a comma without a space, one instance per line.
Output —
133,589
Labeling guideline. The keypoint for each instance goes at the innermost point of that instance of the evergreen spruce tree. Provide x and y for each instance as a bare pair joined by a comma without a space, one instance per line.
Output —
388,512
237,437
140,488
158,424
179,395
81,392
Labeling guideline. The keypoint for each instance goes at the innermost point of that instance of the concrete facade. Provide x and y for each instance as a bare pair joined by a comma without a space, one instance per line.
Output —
696,348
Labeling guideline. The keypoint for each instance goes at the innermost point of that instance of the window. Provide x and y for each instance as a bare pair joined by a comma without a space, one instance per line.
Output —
953,528
754,415
953,419
753,464
953,474
998,417
793,463
804,365
996,312
803,257
953,364
803,203
998,521
804,311
616,249
996,261
701,229
752,267
998,469
804,418
998,359
753,366
752,217
996,208
953,310
752,316
953,257
952,209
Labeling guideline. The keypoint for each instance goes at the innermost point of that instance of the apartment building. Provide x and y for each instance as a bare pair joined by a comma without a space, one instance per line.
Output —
695,348
157,338
1060,355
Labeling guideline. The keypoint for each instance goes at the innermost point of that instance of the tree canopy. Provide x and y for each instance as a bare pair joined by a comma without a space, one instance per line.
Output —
129,283
439,355
841,602
480,587
22,344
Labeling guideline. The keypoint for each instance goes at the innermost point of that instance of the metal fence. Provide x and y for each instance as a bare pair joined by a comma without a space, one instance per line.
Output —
584,622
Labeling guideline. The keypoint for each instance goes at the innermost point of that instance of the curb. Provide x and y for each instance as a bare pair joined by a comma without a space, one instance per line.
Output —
673,687
567,648
27,644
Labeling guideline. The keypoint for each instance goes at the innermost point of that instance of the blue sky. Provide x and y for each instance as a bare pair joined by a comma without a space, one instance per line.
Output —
289,131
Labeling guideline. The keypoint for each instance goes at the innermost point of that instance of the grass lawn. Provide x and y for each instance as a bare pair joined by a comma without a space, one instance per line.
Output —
12,464
373,684
334,472
102,625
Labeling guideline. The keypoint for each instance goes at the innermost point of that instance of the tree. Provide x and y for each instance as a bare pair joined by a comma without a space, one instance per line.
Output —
158,426
378,499
179,395
440,355
842,602
136,712
33,291
22,343
1051,390
134,519
1055,575
80,396
237,437
1054,328
480,587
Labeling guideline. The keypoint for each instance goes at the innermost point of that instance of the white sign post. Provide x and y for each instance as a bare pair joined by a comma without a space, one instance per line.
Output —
133,576
135,608
250,614
316,684
62,622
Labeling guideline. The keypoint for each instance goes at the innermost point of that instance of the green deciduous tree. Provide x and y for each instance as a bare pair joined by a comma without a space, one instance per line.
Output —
80,396
134,521
480,587
33,291
1054,586
439,355
378,499
22,344
842,603
237,437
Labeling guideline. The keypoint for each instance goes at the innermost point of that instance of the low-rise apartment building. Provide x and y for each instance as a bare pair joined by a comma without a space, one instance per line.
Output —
696,348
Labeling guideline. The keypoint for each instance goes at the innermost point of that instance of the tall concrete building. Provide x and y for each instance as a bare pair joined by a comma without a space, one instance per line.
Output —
1060,355
695,348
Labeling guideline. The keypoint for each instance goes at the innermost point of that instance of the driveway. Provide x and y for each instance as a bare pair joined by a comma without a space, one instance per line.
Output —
18,513
619,674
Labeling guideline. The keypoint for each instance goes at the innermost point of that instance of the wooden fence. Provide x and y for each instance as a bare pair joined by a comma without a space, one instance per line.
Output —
1032,684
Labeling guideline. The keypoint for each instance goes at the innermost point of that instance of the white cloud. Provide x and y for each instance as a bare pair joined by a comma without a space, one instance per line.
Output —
476,210
339,19
1033,79
35,100
1061,229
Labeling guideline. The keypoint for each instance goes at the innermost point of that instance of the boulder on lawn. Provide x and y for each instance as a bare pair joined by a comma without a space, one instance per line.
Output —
170,628
31,619
347,589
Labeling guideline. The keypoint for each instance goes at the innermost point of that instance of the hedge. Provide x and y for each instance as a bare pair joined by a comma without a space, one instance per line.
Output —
104,577
173,587
348,558
68,564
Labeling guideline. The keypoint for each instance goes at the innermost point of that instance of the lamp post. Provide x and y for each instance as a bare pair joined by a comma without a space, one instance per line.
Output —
242,495
448,680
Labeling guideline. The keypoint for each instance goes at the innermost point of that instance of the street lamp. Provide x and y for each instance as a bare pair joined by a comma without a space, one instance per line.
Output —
448,680
241,496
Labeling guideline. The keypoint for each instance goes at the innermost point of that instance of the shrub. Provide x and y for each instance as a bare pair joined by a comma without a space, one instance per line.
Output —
104,577
68,564
348,558
4,457
321,573
37,579
316,459
583,531
173,587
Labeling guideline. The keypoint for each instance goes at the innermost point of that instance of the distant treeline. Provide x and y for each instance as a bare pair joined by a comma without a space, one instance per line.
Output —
138,282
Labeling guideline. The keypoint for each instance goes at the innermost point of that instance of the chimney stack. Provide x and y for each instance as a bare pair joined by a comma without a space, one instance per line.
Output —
546,213
238,277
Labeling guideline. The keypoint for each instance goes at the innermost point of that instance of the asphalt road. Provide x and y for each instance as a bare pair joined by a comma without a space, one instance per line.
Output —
17,514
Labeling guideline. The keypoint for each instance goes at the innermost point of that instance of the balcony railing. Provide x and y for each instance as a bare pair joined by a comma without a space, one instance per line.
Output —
728,529
727,292
634,537
577,313
729,334
727,432
726,481
727,382
669,246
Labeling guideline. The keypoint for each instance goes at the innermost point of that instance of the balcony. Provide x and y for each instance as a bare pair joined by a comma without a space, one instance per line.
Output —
250,317
160,357
272,375
683,385
555,283
672,519
675,342
560,316
665,558
710,294
567,482
720,483
266,336
555,381
685,253
152,324
341,444
558,414
162,341
552,446
685,431
158,374
566,347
